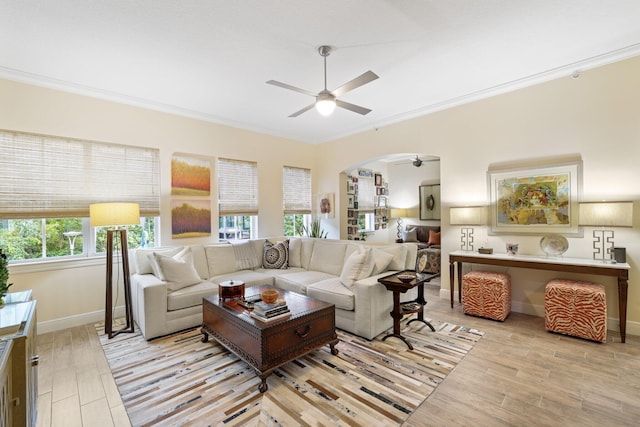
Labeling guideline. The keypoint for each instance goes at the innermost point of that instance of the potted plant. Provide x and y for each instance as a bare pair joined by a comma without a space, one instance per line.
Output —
4,277
314,230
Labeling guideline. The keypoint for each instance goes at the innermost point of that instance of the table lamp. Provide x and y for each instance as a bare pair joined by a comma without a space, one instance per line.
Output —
114,215
467,216
605,214
399,213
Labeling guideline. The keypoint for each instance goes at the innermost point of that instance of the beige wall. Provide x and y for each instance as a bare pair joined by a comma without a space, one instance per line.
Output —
595,117
75,294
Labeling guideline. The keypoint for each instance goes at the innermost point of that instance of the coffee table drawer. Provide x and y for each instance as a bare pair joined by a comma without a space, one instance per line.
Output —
298,335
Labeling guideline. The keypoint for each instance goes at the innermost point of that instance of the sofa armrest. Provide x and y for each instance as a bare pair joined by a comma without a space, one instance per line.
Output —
149,298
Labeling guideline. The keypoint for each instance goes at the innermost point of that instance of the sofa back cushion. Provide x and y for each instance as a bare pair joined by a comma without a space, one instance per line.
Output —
143,262
221,259
422,231
327,256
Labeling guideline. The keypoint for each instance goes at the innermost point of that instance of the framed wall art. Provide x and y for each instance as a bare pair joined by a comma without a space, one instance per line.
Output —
535,200
429,201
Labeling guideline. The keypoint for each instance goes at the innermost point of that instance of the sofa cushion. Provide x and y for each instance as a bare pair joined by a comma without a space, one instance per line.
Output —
295,252
333,292
298,281
246,256
178,271
381,261
357,266
275,255
399,253
410,235
328,257
143,258
249,277
221,259
434,238
190,296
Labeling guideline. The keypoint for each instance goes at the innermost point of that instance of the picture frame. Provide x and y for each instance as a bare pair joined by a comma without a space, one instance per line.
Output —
377,179
535,200
429,196
325,203
382,201
350,201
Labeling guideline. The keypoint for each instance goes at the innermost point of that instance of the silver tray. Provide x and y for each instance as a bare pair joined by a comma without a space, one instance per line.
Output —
554,244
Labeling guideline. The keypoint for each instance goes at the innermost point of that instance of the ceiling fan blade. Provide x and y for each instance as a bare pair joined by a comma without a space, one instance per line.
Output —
352,107
307,108
286,86
362,79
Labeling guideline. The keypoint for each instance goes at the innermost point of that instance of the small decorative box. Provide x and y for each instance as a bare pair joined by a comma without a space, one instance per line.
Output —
485,250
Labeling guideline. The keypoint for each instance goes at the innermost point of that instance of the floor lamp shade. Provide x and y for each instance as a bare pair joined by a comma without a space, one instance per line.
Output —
107,215
114,214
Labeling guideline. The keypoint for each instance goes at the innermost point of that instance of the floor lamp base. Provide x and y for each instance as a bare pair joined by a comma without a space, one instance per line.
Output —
108,310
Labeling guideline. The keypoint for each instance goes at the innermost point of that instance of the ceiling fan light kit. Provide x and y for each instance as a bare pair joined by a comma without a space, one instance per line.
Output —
417,162
326,101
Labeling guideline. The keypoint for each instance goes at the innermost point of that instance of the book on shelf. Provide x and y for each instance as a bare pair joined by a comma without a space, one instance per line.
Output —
280,316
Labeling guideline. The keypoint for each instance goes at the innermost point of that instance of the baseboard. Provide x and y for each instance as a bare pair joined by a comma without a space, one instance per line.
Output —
613,323
73,321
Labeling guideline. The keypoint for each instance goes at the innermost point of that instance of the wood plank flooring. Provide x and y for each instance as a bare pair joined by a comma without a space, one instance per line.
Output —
517,375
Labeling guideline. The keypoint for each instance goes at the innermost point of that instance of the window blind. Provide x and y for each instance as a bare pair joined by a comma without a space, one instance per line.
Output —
296,190
366,194
237,187
52,177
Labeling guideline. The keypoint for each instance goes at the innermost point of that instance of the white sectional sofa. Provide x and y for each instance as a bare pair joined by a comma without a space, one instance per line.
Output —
169,283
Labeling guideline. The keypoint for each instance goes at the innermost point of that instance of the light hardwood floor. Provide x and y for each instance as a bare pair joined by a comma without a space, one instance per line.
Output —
517,375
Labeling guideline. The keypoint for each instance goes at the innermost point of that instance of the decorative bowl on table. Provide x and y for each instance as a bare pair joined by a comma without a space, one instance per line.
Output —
406,278
554,244
269,296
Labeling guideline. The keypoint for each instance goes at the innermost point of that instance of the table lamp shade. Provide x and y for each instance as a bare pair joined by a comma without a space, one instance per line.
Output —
471,215
399,212
606,214
110,214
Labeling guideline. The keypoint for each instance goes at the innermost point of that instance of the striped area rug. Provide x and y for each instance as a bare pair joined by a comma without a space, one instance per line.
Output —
179,381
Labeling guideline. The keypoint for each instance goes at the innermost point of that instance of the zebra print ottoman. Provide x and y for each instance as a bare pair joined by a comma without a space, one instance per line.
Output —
576,308
486,294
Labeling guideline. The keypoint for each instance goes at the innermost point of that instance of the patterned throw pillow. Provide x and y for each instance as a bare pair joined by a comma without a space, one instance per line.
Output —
276,255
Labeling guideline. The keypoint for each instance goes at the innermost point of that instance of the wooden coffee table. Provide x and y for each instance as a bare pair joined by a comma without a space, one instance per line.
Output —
266,346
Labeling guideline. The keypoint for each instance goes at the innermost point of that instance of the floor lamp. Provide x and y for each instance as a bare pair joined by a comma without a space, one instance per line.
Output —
116,214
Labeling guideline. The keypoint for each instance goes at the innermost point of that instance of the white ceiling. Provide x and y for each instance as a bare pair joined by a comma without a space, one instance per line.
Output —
210,59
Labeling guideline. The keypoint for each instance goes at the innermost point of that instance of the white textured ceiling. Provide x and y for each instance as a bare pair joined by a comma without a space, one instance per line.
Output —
210,59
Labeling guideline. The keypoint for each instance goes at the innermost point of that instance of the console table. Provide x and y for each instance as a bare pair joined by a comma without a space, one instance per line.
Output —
571,265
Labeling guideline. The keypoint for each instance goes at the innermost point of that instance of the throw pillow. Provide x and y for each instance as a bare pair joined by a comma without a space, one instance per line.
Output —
144,257
399,254
178,271
246,258
381,261
357,266
434,238
410,235
276,255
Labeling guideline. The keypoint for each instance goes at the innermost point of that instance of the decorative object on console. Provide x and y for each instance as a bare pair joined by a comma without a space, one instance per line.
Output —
554,244
485,251
467,216
269,296
116,214
605,214
512,248
399,213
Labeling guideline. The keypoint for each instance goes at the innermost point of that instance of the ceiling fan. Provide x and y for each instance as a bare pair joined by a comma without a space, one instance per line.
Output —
326,101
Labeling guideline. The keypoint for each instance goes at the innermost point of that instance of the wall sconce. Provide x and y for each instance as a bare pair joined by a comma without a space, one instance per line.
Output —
605,214
399,213
467,216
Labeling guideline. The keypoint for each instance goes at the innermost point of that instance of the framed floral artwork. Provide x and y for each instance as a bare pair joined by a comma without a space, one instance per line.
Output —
536,200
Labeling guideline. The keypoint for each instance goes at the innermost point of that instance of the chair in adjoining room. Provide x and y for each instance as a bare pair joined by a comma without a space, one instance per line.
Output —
576,308
486,294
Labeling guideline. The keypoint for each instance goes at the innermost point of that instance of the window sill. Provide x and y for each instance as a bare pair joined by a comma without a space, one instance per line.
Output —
58,264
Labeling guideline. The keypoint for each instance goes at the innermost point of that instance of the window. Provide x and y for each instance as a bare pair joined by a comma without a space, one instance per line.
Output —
296,199
47,184
237,199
